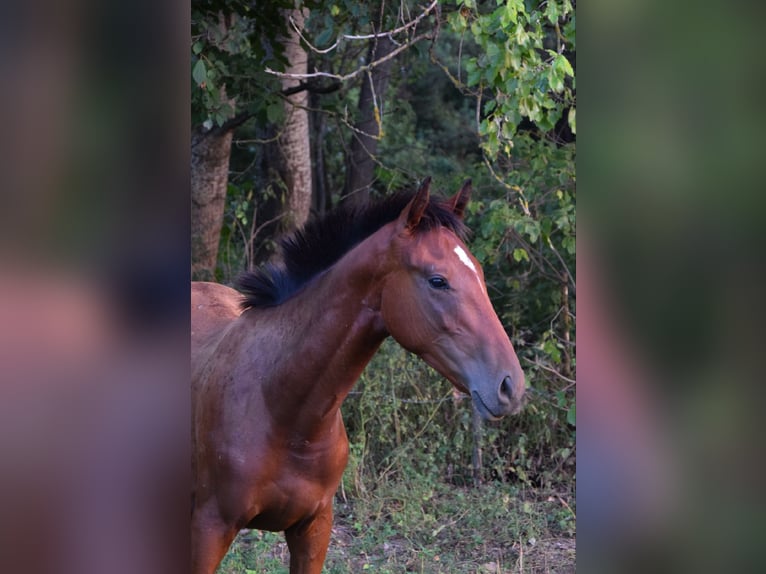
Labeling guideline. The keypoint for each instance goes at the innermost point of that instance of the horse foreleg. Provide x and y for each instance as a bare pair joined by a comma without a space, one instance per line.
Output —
210,539
308,542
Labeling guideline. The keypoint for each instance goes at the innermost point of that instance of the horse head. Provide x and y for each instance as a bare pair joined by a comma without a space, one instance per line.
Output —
435,304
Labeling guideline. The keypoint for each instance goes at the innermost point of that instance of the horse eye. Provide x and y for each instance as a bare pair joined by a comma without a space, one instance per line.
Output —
438,282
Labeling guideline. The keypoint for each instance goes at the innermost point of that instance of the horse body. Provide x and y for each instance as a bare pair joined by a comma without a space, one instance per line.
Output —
269,444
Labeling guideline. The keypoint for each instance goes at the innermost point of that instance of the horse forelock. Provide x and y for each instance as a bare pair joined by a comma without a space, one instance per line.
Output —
318,245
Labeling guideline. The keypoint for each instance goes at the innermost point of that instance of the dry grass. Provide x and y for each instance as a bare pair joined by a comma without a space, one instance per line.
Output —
423,529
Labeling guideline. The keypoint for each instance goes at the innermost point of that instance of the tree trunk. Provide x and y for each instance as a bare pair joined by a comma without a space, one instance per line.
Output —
294,139
360,165
321,201
209,178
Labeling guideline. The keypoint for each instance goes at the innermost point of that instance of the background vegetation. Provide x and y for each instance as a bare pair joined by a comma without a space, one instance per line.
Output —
484,90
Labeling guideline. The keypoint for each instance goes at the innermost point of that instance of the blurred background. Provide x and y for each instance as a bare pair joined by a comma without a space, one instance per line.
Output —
94,260
670,229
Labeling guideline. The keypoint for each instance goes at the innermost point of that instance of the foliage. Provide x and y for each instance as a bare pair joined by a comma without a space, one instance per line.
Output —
521,69
227,37
245,239
404,422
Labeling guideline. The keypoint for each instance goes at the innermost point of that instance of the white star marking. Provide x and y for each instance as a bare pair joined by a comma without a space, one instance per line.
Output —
468,263
465,259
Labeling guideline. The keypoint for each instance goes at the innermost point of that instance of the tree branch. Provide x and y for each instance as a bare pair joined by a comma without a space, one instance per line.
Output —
388,33
563,264
229,124
397,30
523,202
312,87
571,382
356,72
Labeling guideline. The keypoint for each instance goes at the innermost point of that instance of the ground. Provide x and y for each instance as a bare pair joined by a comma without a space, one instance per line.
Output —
432,530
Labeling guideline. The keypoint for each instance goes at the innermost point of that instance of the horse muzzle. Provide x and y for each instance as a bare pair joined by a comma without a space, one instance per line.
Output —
506,399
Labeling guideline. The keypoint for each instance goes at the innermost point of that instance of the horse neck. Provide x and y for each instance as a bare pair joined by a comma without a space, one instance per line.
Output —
336,329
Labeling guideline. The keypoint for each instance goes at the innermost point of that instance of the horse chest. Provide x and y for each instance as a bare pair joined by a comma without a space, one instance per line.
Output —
304,484
286,503
324,465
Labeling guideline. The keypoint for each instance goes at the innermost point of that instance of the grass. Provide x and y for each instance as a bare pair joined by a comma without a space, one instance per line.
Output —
433,528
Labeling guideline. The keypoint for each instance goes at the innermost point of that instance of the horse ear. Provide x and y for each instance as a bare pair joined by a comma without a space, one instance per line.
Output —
410,216
461,198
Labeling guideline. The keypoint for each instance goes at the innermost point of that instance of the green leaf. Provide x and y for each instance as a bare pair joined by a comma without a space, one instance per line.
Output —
519,254
509,15
274,112
572,415
197,47
457,21
572,119
521,35
550,349
474,72
552,12
199,73
324,37
515,58
561,63
493,51
532,229
555,80
508,130
545,123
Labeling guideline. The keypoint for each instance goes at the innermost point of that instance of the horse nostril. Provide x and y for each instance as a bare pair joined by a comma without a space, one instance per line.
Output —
506,391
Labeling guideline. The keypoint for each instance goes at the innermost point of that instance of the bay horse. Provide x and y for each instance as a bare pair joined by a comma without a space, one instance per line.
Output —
272,364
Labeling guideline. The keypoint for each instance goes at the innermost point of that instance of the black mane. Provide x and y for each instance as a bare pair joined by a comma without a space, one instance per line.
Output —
324,240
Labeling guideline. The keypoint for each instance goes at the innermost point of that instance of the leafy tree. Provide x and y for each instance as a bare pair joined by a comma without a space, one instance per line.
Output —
231,43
